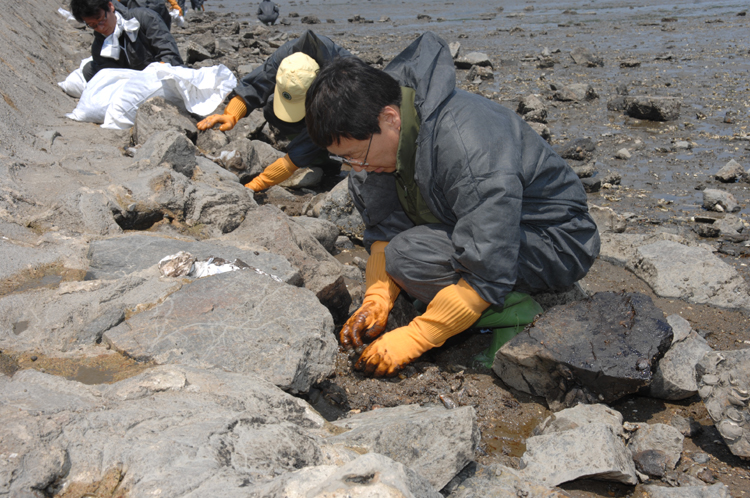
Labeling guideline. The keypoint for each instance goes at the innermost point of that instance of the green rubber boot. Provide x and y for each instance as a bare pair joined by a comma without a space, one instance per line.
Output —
518,311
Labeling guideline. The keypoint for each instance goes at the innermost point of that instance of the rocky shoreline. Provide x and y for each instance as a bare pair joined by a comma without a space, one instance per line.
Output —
124,374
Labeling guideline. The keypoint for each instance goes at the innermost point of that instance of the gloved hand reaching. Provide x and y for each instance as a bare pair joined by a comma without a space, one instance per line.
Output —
235,110
453,310
275,173
175,6
370,319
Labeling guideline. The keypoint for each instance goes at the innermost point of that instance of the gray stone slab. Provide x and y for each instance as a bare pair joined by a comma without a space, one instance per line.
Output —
434,441
660,437
691,273
717,490
579,416
674,378
240,321
499,481
120,256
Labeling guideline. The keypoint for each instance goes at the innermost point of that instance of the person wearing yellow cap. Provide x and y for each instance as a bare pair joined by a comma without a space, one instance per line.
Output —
466,208
279,86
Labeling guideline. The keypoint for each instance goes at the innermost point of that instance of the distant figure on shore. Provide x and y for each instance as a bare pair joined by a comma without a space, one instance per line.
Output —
158,6
194,4
268,12
124,38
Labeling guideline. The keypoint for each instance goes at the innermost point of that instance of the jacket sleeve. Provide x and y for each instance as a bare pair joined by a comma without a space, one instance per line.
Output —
160,41
257,86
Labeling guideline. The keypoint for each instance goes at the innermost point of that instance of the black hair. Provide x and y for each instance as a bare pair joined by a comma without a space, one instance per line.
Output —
346,99
88,8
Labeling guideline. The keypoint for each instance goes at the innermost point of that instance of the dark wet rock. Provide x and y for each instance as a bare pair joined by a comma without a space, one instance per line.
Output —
616,104
323,230
658,437
192,53
730,225
653,463
594,450
170,149
586,170
581,149
344,243
446,438
708,231
591,185
718,490
268,227
371,474
473,59
211,141
653,108
118,257
724,386
599,349
157,115
719,200
424,17
359,19
224,47
584,57
607,220
337,207
630,63
310,20
731,172
477,74
212,323
674,378
576,92
695,274
499,480
532,108
372,58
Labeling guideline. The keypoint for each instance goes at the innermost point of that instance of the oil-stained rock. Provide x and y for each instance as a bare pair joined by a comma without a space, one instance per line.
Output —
598,349
724,386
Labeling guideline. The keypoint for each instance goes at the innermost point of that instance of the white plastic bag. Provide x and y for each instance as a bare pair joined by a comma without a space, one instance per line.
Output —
113,97
69,17
75,83
98,94
177,19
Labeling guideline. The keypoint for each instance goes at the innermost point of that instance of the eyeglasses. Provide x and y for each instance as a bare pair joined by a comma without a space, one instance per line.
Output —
354,162
99,20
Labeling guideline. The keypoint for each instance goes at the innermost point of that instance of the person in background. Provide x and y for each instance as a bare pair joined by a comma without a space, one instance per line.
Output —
279,86
158,6
466,208
268,12
124,38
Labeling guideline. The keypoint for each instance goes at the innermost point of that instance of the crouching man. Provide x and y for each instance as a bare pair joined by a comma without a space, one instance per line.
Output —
466,208
124,38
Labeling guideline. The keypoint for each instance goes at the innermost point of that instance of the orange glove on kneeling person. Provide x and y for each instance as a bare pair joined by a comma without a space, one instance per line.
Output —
453,310
275,173
370,319
235,110
175,6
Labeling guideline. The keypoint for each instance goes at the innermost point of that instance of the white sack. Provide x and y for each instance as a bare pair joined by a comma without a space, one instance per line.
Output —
115,105
75,83
177,19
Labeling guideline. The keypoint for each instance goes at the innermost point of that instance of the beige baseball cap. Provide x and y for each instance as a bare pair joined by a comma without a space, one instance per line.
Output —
295,75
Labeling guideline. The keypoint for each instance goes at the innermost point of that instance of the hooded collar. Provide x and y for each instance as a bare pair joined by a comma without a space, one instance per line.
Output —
111,45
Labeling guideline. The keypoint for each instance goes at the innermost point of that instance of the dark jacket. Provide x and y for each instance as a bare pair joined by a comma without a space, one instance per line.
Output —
157,6
257,87
154,43
484,172
268,12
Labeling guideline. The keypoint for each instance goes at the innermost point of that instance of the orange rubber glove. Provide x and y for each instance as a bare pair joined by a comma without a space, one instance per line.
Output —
370,319
454,309
275,173
235,110
175,6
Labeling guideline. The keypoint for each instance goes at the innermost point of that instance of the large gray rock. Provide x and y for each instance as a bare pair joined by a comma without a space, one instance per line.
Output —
473,59
594,451
369,475
653,108
581,415
719,200
599,349
532,108
157,115
576,92
724,386
338,208
211,140
162,433
503,482
583,56
248,127
691,273
240,321
432,440
241,158
323,230
658,437
117,257
193,52
171,149
620,248
731,172
674,378
268,227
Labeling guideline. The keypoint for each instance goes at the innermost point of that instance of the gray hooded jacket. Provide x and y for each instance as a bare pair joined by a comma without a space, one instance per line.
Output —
484,172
